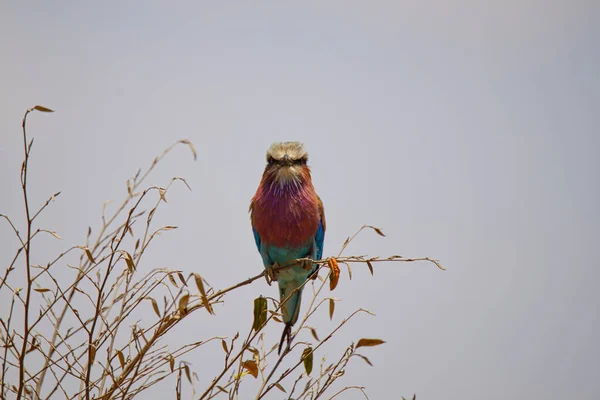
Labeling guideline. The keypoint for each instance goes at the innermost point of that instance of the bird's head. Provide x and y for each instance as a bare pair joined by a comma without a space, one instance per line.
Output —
286,162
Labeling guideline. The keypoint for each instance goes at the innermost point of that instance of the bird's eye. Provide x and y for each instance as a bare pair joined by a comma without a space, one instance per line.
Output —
270,160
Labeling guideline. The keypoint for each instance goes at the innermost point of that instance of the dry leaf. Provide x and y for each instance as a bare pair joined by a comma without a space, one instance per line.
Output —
186,368
203,297
129,261
121,358
41,290
162,192
224,344
379,232
349,271
278,386
314,333
369,342
180,275
154,306
250,366
364,358
183,302
43,109
370,267
335,273
191,146
88,253
222,389
56,235
92,353
331,308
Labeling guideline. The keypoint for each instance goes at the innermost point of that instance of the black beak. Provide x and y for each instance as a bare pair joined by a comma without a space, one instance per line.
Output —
286,160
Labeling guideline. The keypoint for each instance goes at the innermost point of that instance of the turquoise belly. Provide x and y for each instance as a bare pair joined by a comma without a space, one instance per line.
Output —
283,256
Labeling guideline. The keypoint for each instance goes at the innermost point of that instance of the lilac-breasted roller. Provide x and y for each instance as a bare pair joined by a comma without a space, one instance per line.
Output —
288,222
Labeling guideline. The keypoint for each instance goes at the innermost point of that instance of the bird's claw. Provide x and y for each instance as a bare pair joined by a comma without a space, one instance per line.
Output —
269,274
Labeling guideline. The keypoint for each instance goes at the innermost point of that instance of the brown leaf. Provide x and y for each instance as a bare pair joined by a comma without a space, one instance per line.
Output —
129,261
180,275
186,368
162,192
369,342
203,298
154,306
191,146
183,302
88,253
349,271
92,353
307,359
121,358
222,389
224,344
379,232
364,358
335,273
41,290
250,366
172,362
56,235
278,386
331,308
370,267
43,109
314,333
173,281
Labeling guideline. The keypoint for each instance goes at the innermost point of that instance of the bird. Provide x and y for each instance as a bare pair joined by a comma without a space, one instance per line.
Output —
288,222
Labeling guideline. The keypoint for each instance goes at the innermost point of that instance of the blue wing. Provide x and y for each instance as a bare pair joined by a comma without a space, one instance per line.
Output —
319,239
256,239
320,235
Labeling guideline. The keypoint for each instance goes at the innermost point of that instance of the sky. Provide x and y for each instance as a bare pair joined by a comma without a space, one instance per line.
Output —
467,131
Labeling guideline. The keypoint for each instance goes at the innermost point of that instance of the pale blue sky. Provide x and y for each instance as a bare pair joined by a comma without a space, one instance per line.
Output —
468,131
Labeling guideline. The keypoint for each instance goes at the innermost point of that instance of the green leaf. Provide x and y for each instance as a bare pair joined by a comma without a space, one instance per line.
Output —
260,313
307,359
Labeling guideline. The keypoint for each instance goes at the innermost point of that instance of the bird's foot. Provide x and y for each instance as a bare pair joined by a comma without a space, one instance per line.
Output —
269,274
308,266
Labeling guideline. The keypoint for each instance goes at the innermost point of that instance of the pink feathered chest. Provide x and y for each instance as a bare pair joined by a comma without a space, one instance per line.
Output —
287,216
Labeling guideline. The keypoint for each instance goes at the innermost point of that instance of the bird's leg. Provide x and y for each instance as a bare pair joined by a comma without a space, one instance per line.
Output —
308,265
269,274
